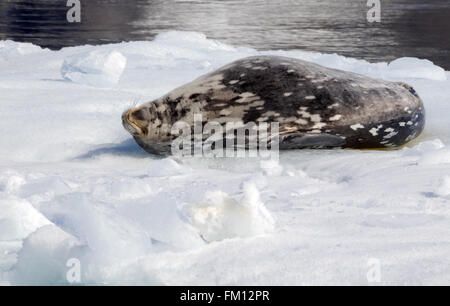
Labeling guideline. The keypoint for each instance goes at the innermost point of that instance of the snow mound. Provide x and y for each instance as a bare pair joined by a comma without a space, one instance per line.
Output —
433,153
98,68
430,146
10,49
224,217
407,67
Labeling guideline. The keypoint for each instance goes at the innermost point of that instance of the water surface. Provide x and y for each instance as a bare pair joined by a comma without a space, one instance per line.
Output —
417,28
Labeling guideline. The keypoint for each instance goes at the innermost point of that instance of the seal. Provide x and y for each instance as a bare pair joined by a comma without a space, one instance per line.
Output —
315,106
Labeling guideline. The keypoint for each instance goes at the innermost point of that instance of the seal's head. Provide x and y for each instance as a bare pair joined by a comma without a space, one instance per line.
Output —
150,125
139,123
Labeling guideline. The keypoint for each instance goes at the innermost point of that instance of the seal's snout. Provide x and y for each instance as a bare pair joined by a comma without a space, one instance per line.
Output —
135,122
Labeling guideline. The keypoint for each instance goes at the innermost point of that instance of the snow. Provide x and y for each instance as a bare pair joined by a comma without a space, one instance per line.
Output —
73,184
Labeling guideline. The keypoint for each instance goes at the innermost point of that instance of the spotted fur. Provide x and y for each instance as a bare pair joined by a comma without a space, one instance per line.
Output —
316,107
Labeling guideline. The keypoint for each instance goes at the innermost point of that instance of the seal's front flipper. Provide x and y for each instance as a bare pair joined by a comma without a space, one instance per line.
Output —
310,140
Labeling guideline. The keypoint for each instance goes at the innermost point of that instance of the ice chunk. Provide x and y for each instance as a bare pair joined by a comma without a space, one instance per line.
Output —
44,256
186,39
99,68
18,218
222,217
98,225
429,152
408,67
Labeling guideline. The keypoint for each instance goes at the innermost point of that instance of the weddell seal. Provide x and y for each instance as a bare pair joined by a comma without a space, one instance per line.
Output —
316,107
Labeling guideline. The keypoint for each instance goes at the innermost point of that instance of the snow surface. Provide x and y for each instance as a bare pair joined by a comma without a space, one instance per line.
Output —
73,184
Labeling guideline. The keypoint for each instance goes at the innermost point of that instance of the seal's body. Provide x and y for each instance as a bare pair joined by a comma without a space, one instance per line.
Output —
316,107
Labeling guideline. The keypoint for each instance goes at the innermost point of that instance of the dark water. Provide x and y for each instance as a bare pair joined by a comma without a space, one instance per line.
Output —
417,28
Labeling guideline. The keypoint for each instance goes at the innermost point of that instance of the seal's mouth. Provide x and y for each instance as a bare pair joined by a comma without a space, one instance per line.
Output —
132,124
